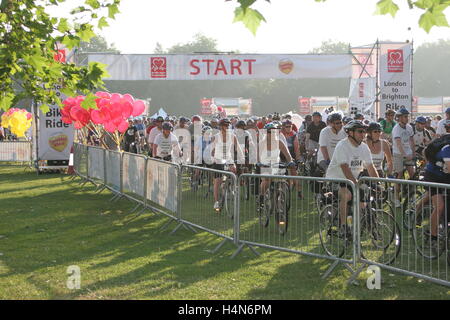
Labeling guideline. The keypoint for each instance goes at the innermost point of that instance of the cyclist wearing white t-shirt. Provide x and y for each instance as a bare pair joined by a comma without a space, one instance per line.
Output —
350,157
403,149
328,139
165,145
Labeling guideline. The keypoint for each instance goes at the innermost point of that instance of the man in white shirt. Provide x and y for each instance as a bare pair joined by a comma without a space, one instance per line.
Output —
349,159
328,139
154,132
403,148
441,124
166,146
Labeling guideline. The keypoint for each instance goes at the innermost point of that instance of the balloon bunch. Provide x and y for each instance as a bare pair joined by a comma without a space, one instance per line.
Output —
111,113
17,120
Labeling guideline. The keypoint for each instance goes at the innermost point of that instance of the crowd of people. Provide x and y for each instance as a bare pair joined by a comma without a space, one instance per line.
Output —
342,147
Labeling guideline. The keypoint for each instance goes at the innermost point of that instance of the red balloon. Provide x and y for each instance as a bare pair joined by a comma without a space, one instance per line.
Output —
138,108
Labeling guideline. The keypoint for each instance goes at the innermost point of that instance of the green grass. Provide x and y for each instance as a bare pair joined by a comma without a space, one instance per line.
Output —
48,223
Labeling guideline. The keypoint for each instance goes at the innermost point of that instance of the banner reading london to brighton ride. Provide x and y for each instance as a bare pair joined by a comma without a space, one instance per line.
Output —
224,67
395,76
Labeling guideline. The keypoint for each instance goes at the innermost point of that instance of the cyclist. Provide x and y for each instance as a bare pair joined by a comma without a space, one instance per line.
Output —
166,146
349,159
269,155
294,149
328,139
430,129
379,149
313,132
222,148
130,137
438,171
388,124
155,131
441,124
403,149
422,136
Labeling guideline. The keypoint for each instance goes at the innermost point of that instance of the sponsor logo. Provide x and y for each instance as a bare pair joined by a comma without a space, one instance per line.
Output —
60,56
58,142
395,60
286,66
158,67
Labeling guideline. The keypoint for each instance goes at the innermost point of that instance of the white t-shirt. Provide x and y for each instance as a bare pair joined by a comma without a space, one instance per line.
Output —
166,146
153,133
404,134
441,127
357,158
224,151
329,139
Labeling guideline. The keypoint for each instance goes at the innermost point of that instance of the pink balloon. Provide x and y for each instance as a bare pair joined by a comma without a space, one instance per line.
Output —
103,94
123,126
109,126
127,109
128,97
138,108
96,117
116,97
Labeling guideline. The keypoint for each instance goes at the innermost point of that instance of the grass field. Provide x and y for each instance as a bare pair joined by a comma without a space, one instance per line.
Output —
48,223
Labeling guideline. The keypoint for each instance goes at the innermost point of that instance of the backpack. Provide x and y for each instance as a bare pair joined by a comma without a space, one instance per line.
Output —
435,146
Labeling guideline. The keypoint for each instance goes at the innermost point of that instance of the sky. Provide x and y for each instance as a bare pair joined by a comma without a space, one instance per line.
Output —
293,26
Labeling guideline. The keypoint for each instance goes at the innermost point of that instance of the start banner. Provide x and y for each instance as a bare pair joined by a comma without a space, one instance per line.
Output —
224,67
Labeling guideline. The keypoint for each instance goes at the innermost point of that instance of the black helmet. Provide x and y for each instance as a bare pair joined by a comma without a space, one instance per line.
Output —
358,116
346,120
240,124
374,126
335,117
167,126
402,111
308,117
317,114
159,119
353,125
183,119
224,121
276,116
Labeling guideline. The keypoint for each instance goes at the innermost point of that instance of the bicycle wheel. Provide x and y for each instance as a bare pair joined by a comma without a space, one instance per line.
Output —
265,209
332,242
380,236
282,206
422,236
229,200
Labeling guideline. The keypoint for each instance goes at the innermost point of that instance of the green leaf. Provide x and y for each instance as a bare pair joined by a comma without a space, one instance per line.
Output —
71,41
63,25
424,4
113,9
68,92
44,108
89,102
102,23
387,7
37,61
93,3
85,32
98,71
6,101
430,19
249,17
246,3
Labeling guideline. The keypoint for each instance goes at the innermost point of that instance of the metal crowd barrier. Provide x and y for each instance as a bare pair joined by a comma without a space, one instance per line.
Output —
198,201
308,224
396,239
409,249
15,151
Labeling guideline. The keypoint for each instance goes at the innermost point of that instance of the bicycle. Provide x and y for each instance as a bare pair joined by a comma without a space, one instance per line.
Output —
276,200
226,195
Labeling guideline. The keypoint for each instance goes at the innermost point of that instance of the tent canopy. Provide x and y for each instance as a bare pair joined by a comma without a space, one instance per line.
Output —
160,112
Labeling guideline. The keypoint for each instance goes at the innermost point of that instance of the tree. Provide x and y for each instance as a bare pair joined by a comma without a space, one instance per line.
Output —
433,12
31,38
330,47
201,43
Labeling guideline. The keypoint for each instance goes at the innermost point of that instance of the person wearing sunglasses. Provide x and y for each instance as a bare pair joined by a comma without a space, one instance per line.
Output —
379,149
350,157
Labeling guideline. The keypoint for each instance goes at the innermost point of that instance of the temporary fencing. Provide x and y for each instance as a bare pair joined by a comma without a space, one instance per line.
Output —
377,233
15,151
399,236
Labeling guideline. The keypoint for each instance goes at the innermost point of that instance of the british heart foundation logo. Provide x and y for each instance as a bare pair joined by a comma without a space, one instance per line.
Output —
158,67
286,66
395,60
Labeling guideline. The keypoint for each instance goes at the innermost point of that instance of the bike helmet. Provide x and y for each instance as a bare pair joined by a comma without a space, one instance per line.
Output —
159,119
316,114
447,110
402,111
359,116
421,119
272,125
374,126
167,126
353,125
196,118
183,119
335,117
287,122
240,124
224,121
206,123
308,117
206,128
276,116
346,120
389,111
